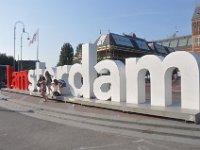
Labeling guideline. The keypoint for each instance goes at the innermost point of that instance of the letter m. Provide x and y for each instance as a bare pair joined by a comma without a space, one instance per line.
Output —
161,79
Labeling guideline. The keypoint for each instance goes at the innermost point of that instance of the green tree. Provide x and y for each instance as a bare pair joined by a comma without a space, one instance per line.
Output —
66,55
78,54
6,60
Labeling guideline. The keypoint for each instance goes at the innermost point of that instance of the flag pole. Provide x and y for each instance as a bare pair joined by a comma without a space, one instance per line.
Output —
38,46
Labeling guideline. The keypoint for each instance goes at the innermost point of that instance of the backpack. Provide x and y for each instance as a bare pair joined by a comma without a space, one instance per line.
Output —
62,83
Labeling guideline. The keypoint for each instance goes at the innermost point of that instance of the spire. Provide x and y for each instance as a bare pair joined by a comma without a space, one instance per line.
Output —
196,14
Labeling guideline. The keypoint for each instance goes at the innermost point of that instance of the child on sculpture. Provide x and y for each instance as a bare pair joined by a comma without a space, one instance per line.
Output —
58,85
42,86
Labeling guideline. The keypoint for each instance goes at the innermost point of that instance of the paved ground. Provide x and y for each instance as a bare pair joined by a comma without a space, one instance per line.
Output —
21,132
27,123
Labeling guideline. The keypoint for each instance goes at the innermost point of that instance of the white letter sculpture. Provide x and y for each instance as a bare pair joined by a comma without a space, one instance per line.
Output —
135,74
188,65
33,75
86,71
127,83
116,80
161,82
62,72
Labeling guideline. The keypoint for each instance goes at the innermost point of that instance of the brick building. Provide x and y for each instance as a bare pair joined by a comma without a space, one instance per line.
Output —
196,30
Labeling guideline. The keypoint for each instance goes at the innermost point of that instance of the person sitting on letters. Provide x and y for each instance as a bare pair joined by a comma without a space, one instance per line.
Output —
58,85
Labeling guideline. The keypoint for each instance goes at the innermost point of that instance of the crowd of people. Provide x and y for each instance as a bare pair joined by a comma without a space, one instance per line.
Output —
46,83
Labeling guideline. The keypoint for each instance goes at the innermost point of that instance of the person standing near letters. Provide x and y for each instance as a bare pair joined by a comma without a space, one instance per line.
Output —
42,85
48,81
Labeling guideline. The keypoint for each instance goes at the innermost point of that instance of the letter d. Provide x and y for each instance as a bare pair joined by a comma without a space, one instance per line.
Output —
81,77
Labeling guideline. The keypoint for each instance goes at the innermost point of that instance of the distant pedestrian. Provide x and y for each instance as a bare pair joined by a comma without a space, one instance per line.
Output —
42,85
48,81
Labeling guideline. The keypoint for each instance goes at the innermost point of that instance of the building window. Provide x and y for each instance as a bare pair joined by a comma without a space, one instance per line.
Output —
174,43
198,28
165,43
142,44
196,41
189,41
194,28
182,42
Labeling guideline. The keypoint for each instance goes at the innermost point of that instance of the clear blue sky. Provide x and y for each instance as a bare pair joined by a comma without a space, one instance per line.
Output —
80,21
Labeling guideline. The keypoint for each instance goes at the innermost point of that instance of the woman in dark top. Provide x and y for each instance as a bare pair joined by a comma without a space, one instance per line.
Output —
48,81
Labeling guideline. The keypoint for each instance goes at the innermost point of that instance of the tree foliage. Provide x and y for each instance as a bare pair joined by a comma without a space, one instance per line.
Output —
66,55
6,60
78,54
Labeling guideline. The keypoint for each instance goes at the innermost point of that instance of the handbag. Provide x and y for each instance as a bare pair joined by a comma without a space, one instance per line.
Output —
56,93
38,84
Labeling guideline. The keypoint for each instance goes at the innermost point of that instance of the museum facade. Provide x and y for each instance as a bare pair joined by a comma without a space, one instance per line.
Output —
120,47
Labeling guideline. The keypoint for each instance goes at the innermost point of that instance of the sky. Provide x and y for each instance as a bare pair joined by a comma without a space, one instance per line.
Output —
80,21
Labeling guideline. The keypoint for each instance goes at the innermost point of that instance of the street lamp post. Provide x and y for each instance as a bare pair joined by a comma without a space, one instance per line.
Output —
21,67
23,30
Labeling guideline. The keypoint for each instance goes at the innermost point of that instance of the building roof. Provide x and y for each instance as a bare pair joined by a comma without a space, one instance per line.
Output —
181,42
196,14
160,49
122,41
130,43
